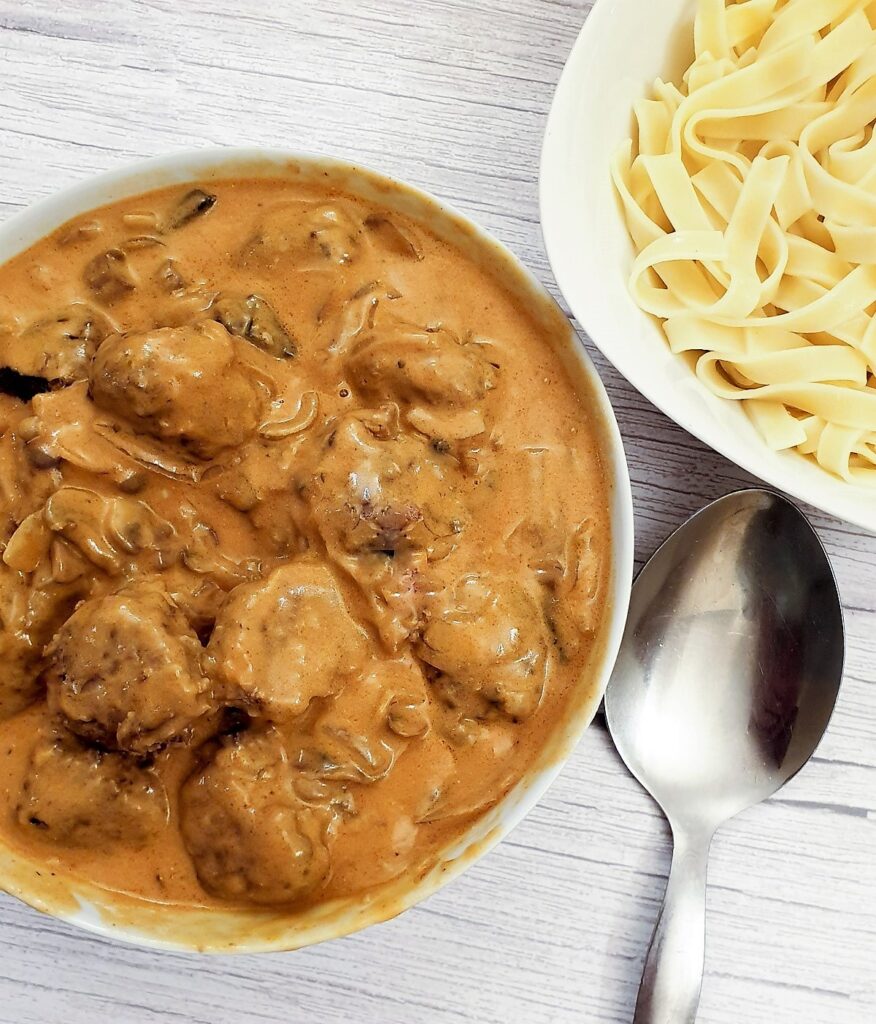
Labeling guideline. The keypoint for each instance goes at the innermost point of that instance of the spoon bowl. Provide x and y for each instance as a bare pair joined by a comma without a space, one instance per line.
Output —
727,676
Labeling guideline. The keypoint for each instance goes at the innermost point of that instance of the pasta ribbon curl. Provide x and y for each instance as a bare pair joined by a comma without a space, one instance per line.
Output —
749,192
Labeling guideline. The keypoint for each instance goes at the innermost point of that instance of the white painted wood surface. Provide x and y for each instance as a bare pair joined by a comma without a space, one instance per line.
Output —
553,925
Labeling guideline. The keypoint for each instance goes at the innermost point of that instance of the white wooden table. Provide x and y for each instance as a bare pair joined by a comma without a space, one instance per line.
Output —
553,925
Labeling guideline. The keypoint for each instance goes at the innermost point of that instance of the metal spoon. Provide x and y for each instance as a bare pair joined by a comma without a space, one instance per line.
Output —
728,672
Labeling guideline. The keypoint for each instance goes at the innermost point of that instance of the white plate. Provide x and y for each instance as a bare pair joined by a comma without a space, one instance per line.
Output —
623,47
211,930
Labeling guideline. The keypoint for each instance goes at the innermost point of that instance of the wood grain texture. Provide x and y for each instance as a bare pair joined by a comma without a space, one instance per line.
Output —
551,927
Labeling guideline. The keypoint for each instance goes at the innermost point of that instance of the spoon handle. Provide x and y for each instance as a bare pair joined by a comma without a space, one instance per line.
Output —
673,976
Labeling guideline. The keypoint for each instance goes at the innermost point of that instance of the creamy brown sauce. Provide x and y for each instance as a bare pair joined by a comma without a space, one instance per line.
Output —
305,544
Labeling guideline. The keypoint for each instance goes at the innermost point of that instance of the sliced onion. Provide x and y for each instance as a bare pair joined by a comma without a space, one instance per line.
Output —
303,417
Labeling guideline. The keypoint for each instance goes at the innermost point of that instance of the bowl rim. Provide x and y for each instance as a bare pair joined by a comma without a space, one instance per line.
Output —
74,901
606,16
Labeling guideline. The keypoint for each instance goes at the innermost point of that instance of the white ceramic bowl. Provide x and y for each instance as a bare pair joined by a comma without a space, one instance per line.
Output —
250,931
623,47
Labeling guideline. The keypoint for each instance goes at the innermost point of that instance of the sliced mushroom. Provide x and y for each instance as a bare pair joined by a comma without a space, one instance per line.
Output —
202,554
56,349
388,234
278,426
23,487
29,544
487,743
134,527
349,316
252,318
353,738
79,515
140,242
194,203
110,275
151,454
407,717
574,609
105,531
169,277
67,564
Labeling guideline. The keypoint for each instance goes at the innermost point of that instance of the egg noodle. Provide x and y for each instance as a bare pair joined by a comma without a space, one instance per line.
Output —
750,196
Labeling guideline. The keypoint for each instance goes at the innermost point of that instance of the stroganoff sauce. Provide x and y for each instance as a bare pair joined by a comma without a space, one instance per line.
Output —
305,543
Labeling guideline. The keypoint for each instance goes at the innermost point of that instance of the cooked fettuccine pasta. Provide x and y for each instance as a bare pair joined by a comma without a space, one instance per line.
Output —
750,195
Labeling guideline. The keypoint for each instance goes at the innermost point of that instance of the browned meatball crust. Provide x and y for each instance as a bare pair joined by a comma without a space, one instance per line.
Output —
372,487
80,796
125,672
181,384
249,834
486,638
412,364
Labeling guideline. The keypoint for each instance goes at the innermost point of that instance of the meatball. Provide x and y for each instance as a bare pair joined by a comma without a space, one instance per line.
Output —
374,488
262,651
413,365
304,236
181,384
124,671
485,637
80,796
248,833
